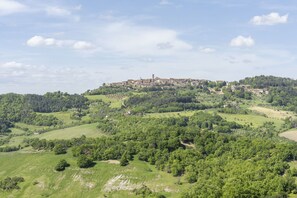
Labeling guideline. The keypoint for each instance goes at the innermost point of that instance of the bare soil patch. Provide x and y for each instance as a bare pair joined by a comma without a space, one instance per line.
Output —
291,135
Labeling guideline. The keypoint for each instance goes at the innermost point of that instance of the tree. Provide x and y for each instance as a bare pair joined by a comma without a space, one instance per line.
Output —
61,165
124,159
60,149
84,162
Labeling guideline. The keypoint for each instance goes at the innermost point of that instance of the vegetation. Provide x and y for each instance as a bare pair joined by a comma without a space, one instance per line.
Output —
164,101
84,162
213,140
11,183
62,165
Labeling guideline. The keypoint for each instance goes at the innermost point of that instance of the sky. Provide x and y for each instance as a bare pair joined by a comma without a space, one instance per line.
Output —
76,45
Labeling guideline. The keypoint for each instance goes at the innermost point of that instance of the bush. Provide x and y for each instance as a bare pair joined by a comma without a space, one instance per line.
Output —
61,165
11,183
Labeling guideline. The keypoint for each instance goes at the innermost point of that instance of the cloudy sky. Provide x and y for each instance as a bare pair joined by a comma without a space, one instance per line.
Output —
77,45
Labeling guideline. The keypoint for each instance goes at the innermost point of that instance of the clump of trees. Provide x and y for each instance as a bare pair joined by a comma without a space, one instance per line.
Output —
165,101
238,92
23,108
60,149
11,183
9,148
5,126
54,102
268,81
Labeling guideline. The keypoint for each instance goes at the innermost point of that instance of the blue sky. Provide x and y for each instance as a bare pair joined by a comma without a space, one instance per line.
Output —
78,45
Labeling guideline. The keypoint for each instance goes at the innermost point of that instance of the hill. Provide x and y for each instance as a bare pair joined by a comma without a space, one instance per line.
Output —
152,138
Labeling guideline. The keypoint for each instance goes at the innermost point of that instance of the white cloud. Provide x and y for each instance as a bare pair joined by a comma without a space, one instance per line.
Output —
12,64
270,19
10,7
164,2
207,50
25,78
37,41
128,38
242,41
83,45
56,11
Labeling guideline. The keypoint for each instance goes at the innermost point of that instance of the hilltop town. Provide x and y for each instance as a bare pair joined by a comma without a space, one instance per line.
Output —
156,81
183,82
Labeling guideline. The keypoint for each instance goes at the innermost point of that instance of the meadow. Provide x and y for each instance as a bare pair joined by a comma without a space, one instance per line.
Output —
41,180
89,130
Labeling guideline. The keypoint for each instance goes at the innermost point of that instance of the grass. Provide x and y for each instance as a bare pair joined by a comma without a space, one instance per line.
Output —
170,114
115,101
272,113
256,120
64,117
89,130
42,181
244,119
29,126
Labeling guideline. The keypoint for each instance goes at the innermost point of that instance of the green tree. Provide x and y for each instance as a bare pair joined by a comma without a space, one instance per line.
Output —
61,165
84,162
124,159
60,149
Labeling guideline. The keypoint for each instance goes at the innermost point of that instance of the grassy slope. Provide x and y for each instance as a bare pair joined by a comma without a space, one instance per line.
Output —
272,113
115,102
75,182
89,130
256,120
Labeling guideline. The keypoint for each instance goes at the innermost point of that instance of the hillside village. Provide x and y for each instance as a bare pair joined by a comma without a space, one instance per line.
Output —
156,81
182,82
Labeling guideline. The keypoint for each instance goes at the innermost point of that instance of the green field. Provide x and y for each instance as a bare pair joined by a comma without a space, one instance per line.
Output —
41,180
256,120
170,114
115,102
89,130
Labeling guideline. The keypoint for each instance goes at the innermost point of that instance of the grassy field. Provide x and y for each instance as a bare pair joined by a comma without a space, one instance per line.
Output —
272,113
63,116
29,127
170,114
89,130
99,181
115,101
256,120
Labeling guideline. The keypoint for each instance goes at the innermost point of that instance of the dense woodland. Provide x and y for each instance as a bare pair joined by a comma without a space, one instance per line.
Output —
219,158
25,108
